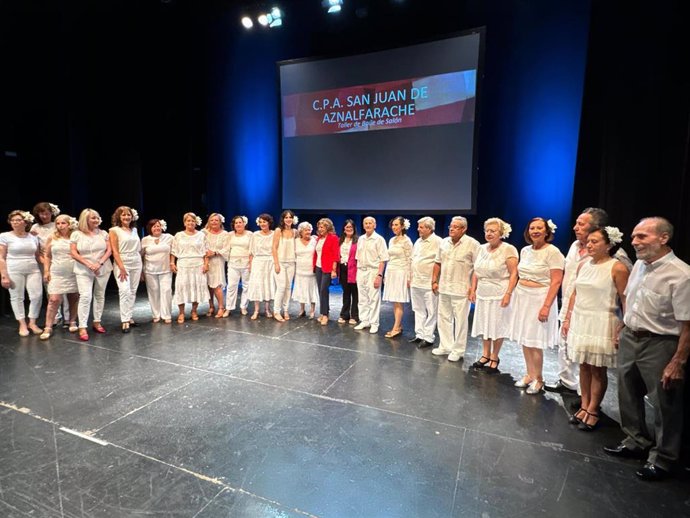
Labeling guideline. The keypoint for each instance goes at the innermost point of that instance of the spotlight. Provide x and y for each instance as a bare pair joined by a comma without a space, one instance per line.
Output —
332,6
263,19
274,18
247,22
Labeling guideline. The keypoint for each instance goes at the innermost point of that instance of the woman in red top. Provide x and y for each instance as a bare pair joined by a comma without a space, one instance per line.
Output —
326,258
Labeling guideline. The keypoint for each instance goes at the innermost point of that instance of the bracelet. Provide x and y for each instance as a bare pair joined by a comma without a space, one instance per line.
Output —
434,282
379,275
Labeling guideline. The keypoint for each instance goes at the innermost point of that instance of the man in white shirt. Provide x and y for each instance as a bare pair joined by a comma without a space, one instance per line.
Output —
372,254
451,280
424,299
653,350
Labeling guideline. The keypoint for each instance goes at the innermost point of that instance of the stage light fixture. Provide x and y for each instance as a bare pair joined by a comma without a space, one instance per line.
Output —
332,6
263,19
247,22
272,19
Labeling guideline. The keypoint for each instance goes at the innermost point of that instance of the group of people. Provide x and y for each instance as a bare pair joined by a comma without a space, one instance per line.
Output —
613,314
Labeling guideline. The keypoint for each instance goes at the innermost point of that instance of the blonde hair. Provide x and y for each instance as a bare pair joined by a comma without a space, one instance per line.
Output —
330,229
84,219
66,217
215,215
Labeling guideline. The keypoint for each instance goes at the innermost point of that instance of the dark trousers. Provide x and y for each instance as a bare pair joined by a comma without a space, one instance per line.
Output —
350,309
324,282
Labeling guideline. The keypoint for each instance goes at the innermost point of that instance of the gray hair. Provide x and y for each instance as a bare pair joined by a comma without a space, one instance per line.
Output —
663,226
504,228
427,222
461,219
600,217
304,225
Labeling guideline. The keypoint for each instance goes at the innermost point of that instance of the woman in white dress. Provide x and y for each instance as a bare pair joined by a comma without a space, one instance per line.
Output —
156,250
59,273
261,280
592,324
284,263
44,215
236,249
20,254
493,281
396,288
189,248
90,248
305,290
534,315
216,237
126,245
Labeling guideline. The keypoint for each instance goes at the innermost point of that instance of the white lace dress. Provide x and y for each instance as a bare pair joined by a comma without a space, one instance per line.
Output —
190,283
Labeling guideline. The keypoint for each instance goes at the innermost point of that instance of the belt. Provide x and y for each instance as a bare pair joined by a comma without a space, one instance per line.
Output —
643,333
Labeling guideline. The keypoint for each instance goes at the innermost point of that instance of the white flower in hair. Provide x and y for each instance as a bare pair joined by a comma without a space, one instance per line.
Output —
54,209
258,221
245,220
507,229
295,220
221,218
73,223
406,224
135,215
163,224
100,220
27,216
551,225
197,220
615,235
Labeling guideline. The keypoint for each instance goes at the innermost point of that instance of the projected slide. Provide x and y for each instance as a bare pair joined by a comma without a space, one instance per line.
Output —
388,131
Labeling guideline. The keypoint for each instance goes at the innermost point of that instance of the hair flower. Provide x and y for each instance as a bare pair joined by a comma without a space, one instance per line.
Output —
135,215
506,230
551,225
27,216
245,220
258,221
406,224
221,218
163,224
197,220
73,223
100,220
54,209
295,220
615,235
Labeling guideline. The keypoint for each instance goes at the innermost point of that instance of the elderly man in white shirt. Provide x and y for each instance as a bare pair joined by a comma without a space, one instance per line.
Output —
592,217
451,280
371,255
424,299
653,350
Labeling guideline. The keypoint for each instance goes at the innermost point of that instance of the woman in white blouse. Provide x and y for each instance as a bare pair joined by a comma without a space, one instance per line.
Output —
215,238
284,263
306,290
189,248
534,316
59,273
493,281
261,279
20,253
126,245
236,249
157,248
91,250
396,288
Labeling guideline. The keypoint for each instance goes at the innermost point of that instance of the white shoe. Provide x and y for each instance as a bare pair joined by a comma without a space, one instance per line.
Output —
454,356
437,351
361,325
374,329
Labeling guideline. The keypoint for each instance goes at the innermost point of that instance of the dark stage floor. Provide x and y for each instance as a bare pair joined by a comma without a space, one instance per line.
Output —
245,418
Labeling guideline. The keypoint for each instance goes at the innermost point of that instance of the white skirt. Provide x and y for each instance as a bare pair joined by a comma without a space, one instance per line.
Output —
525,327
261,285
190,285
490,320
591,338
216,272
395,287
305,290
62,280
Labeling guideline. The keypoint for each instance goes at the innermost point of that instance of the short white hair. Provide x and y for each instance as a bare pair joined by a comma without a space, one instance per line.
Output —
461,219
427,222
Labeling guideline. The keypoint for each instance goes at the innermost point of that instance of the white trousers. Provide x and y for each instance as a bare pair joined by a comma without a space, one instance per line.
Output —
159,290
31,283
568,372
453,313
91,288
283,280
235,274
369,297
425,307
128,291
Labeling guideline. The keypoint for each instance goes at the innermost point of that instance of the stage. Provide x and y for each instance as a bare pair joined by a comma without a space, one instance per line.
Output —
234,417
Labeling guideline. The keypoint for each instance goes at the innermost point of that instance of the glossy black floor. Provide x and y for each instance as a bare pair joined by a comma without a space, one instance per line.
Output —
235,417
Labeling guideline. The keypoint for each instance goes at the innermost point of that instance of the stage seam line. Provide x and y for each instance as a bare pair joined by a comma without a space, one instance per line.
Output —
324,391
222,490
565,479
457,474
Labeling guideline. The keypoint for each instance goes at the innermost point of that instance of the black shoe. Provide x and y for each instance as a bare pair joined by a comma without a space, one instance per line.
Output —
479,364
424,344
414,340
559,388
621,450
651,473
493,370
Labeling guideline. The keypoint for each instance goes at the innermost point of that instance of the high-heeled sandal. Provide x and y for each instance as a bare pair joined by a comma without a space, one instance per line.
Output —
73,328
255,315
493,370
195,315
220,314
47,332
180,318
226,313
211,311
523,382
125,327
479,364
286,316
587,427
573,419
393,333
536,387
269,314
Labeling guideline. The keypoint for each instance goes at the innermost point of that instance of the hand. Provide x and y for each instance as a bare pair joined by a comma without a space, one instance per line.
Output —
565,328
173,267
210,253
93,267
472,295
505,301
122,275
277,268
334,275
434,287
617,334
46,277
673,373
6,282
377,282
543,314
204,268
